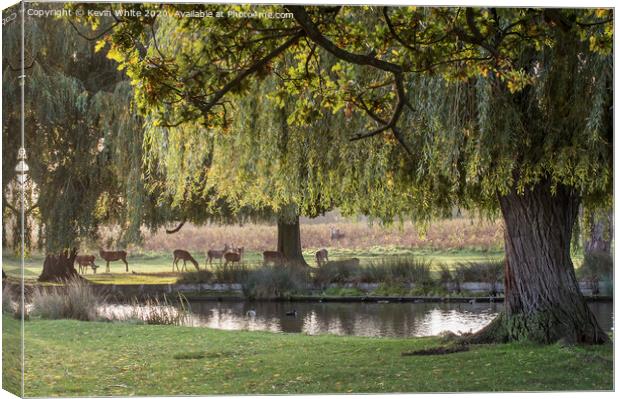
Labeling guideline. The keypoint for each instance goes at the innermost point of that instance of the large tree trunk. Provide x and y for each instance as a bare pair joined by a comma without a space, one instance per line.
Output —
59,267
289,241
543,302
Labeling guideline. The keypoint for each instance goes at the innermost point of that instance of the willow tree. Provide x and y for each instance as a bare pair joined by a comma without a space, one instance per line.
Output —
504,110
82,138
232,175
209,171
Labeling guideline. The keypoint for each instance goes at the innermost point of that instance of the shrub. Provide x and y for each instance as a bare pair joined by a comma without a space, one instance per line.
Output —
196,277
491,271
432,290
336,291
400,269
75,300
231,274
393,270
596,266
385,289
274,282
341,272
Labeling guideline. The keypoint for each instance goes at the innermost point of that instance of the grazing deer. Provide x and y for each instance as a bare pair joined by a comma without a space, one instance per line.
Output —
275,257
321,257
112,256
233,255
84,261
181,254
335,234
215,254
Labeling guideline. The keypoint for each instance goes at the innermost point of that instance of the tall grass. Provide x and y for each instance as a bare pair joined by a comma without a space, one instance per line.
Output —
78,300
340,272
274,282
491,271
399,270
75,300
218,273
231,273
391,270
158,311
196,277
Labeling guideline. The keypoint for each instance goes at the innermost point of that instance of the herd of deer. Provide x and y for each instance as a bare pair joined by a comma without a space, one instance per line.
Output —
84,261
230,254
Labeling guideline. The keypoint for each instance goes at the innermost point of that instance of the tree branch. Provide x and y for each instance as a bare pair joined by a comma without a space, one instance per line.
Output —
475,37
177,228
206,107
94,37
302,17
312,30
19,69
589,24
388,21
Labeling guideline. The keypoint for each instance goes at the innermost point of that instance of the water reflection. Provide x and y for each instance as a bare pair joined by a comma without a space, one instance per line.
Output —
360,319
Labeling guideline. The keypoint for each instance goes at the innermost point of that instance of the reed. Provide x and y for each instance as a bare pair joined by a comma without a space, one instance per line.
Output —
74,300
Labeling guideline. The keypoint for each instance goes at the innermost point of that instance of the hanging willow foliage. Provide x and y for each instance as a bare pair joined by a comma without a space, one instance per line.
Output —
83,138
494,98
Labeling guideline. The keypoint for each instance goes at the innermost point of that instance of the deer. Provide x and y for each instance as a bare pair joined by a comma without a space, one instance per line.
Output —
335,234
233,255
84,261
112,256
321,257
216,254
181,254
275,257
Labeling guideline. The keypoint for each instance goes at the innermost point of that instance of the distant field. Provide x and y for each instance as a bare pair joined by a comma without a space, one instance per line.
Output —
445,235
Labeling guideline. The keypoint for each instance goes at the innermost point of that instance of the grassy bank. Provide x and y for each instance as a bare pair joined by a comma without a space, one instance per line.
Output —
71,358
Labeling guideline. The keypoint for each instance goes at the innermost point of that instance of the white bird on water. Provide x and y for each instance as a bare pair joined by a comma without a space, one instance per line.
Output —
251,313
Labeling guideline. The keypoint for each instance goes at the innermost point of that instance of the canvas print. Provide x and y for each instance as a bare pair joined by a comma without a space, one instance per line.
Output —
204,199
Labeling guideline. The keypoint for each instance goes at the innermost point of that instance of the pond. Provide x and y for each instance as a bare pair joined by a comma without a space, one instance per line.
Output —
359,319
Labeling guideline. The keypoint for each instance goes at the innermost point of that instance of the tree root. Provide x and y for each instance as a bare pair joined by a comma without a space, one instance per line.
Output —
494,333
438,350
538,329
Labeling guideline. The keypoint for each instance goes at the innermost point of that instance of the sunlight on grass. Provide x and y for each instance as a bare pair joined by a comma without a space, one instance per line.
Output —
125,360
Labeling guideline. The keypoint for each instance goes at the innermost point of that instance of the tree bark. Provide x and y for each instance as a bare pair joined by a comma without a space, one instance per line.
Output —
59,267
289,241
543,302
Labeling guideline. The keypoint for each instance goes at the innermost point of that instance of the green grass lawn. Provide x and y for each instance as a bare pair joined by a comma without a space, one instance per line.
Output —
71,358
11,355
